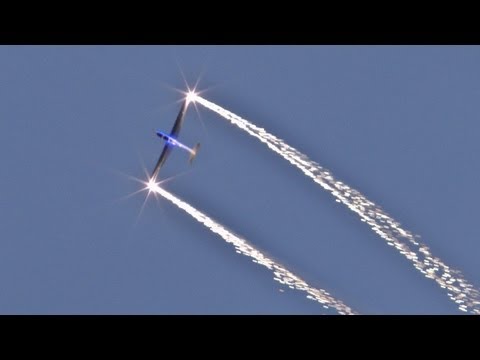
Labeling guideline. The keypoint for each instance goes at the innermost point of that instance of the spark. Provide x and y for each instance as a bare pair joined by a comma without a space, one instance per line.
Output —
148,186
379,221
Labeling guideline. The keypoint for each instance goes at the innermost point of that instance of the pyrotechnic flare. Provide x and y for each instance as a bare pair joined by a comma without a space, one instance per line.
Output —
458,289
281,274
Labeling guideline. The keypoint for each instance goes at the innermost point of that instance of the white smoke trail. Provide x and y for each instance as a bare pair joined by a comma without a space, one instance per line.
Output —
458,289
281,274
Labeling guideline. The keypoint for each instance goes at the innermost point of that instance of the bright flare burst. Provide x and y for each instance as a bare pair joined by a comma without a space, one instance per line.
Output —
458,289
151,185
191,96
281,274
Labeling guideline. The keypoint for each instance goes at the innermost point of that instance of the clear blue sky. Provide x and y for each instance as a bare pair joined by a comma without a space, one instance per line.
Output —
400,124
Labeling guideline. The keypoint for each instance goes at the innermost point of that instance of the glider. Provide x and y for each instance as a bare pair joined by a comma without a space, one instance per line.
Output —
171,141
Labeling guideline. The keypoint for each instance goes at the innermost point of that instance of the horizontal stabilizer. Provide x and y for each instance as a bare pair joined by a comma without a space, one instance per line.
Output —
194,153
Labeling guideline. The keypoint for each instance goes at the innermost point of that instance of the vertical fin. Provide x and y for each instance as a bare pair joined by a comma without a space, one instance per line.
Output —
195,150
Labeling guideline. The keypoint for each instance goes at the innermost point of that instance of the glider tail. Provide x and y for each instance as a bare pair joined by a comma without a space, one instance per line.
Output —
194,153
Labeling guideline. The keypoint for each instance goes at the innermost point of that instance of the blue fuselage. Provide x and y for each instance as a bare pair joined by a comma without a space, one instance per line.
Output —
172,141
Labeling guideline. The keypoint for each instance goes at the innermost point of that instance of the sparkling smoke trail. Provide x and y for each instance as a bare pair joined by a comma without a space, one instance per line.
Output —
281,274
458,289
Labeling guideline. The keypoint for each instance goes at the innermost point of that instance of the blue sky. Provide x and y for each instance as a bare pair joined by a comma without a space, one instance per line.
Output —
397,123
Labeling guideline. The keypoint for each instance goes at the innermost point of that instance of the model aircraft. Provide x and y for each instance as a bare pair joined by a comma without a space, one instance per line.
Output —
171,141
